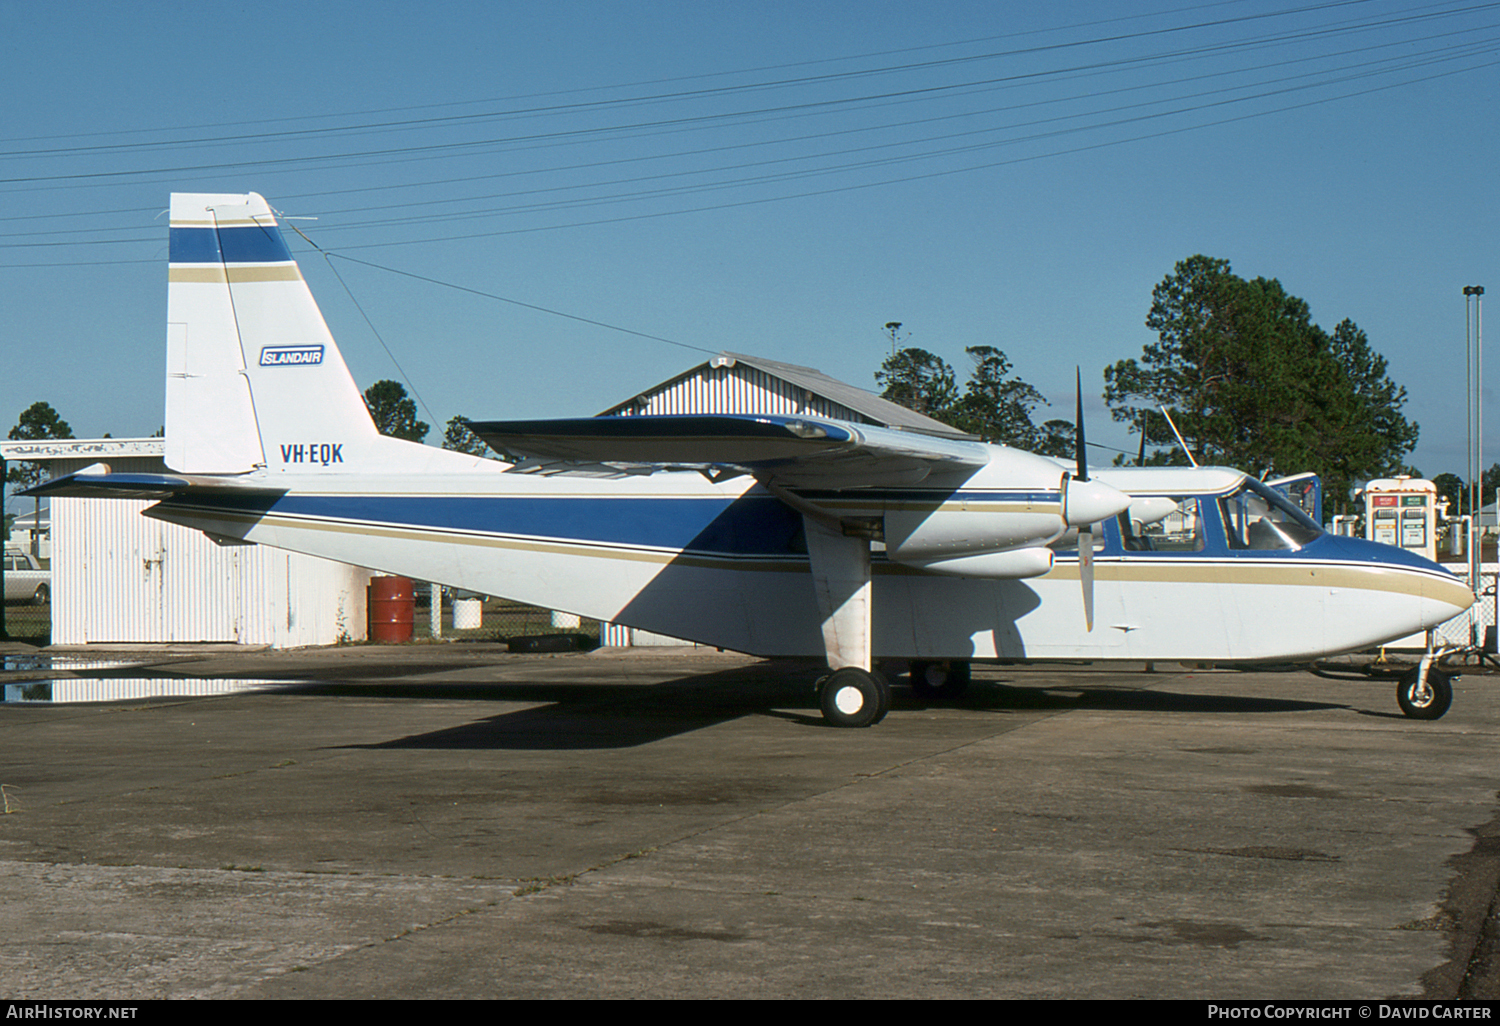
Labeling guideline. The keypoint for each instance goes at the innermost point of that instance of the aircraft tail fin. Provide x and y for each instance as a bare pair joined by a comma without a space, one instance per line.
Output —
254,377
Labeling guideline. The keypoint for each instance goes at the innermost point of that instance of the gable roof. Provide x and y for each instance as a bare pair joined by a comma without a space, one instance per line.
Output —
865,407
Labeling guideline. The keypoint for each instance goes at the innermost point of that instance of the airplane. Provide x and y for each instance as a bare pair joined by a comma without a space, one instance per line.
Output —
769,535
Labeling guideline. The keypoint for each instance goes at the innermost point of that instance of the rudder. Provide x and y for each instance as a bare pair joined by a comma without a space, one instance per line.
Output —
254,377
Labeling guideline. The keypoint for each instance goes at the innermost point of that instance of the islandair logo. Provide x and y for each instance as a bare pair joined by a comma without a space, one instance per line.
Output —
291,356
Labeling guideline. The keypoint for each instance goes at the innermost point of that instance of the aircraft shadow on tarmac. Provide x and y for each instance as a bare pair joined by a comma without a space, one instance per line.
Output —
590,715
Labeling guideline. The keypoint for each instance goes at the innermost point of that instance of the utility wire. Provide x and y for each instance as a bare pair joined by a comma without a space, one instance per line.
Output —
517,302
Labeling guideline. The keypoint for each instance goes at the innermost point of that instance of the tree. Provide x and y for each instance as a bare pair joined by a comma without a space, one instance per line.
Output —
1253,383
1058,439
38,421
460,438
993,404
920,381
1455,490
393,413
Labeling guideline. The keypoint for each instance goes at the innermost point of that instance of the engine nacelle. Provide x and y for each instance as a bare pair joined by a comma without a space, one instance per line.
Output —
920,537
1016,504
1012,565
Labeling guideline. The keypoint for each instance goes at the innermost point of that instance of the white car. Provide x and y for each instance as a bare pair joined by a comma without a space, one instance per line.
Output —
25,581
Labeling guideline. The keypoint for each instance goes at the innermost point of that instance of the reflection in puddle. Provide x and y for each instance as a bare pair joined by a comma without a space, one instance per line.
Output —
47,661
122,689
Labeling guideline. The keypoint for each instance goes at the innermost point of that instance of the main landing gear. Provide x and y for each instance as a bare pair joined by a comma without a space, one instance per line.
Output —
852,697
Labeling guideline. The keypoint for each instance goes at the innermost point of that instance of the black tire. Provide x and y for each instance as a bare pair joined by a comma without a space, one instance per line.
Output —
939,681
883,686
853,698
1430,706
40,596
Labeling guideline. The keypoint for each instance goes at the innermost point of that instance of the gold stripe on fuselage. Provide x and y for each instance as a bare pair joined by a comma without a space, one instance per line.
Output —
857,507
214,274
1392,578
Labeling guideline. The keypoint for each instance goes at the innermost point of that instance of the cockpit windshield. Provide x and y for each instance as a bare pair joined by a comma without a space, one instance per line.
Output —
1258,518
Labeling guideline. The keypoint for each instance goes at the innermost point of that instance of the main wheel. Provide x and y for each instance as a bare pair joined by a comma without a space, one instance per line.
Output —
1425,704
940,680
853,698
39,597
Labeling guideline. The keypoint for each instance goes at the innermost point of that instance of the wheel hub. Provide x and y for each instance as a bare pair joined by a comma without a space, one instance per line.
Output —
848,700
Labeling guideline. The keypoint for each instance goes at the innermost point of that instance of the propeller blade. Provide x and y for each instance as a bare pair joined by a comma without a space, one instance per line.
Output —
1085,536
1083,466
1086,575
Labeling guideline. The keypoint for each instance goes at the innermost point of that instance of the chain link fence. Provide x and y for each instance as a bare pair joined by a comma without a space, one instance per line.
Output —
499,620
1471,625
29,623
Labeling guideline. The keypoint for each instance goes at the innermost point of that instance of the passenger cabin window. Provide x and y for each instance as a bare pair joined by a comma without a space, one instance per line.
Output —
1259,519
1157,524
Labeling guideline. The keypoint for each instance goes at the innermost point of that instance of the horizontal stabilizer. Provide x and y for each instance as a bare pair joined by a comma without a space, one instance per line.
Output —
85,484
789,450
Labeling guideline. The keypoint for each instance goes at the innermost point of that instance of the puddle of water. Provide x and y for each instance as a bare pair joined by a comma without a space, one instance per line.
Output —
123,689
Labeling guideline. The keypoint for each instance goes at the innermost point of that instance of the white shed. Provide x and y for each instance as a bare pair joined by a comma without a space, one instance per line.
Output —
121,577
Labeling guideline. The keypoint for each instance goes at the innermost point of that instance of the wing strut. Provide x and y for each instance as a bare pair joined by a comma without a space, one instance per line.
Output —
853,695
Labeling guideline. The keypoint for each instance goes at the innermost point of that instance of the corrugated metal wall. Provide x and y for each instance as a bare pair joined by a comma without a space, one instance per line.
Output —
739,389
118,576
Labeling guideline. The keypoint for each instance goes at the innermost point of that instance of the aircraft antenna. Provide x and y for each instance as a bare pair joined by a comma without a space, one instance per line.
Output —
378,337
1185,450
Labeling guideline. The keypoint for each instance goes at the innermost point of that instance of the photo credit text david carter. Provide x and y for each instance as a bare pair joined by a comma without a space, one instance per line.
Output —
1357,1010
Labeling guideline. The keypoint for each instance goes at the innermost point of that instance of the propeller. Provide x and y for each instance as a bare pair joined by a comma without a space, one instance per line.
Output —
1085,534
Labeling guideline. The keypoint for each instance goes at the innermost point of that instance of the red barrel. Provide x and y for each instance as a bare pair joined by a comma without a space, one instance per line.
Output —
393,608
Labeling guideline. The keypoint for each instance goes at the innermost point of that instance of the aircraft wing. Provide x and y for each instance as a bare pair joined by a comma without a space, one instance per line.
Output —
791,451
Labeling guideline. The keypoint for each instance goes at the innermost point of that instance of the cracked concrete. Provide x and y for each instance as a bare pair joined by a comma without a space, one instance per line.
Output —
441,822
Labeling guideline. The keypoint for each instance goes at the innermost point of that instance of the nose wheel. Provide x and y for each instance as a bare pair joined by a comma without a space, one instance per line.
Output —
1425,699
852,697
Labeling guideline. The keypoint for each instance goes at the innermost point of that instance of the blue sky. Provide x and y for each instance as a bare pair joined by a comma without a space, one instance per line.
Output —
780,179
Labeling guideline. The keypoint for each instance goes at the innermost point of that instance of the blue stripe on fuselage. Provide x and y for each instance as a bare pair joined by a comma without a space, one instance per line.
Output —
1335,546
747,526
248,244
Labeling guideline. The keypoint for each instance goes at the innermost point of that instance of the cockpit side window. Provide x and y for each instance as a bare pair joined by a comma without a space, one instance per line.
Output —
1257,519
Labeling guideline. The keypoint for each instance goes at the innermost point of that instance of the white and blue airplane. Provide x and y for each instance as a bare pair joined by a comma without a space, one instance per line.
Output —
770,535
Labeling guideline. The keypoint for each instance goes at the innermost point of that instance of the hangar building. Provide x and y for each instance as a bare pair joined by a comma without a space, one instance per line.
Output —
736,383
